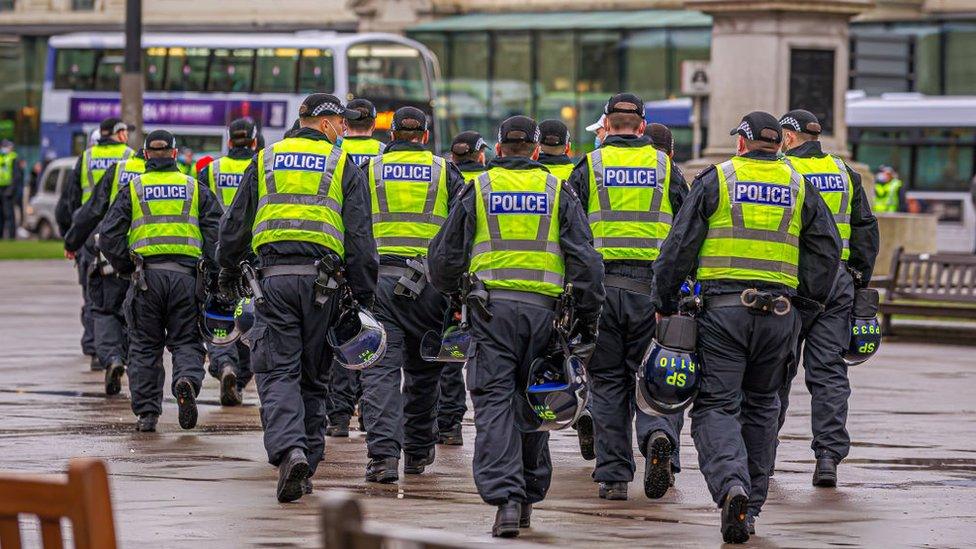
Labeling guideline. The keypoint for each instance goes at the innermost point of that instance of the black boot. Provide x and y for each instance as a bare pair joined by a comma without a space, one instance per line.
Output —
95,364
415,465
307,486
383,471
657,470
339,428
229,394
147,423
613,491
113,376
292,474
825,474
525,516
451,437
507,520
734,512
584,430
186,400
751,524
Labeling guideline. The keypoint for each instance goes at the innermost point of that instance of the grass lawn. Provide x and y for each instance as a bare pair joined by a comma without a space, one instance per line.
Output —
31,249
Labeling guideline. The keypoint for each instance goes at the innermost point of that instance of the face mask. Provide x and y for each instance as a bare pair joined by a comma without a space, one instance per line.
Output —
597,142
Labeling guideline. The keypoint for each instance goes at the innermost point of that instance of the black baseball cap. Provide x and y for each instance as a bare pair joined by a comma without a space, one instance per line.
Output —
553,133
410,119
627,103
323,104
112,126
759,126
159,140
467,142
660,136
518,129
242,128
364,106
800,120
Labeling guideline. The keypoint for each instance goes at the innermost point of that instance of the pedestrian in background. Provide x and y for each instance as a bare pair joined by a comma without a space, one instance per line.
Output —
10,174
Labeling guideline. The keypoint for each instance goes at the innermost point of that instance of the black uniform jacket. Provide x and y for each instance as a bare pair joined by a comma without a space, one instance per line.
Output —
864,240
70,199
360,249
450,251
114,229
819,246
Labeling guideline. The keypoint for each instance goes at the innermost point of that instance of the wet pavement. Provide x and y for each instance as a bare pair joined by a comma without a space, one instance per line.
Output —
910,479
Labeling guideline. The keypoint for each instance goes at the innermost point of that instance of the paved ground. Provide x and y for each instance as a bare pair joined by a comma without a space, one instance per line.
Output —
910,480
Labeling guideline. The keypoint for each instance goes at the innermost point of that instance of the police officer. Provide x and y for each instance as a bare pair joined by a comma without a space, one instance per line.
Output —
468,154
889,191
630,191
523,235
158,228
345,388
109,149
11,175
302,204
825,335
231,363
410,189
106,289
661,138
554,147
760,235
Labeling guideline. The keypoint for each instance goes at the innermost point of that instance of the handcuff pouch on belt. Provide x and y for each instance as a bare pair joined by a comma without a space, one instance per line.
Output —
330,279
101,264
764,303
414,280
476,297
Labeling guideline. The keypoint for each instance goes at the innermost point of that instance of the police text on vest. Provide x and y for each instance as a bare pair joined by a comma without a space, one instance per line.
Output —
125,176
360,159
229,180
164,192
768,194
303,162
827,182
101,163
614,176
407,172
518,203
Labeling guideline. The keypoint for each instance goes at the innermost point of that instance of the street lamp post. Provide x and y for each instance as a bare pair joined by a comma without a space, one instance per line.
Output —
131,82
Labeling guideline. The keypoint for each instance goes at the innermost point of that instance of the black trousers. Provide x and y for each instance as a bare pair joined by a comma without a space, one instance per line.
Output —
107,295
83,261
402,420
734,419
509,465
345,390
291,360
452,403
8,221
822,343
164,314
237,355
626,330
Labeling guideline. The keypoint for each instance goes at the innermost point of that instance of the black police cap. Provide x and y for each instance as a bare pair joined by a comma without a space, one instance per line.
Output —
325,104
759,126
364,106
518,129
242,128
627,103
553,133
409,119
466,142
112,126
159,140
800,120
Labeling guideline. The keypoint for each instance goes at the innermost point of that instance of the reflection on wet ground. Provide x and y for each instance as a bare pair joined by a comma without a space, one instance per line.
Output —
910,479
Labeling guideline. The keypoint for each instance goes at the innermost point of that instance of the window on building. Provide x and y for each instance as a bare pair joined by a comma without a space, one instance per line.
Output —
231,70
109,70
437,43
686,45
881,62
154,68
960,70
884,147
469,87
315,71
75,69
82,5
556,81
812,84
511,87
7,5
646,64
944,160
598,71
276,70
186,69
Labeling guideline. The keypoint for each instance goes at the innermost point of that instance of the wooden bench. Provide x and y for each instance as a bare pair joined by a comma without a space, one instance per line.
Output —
82,497
932,285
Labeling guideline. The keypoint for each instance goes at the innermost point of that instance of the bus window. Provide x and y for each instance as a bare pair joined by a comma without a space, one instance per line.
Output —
231,71
186,69
75,69
315,72
275,70
154,61
387,70
109,70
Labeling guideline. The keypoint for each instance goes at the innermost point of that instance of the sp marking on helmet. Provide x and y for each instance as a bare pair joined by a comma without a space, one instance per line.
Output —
865,328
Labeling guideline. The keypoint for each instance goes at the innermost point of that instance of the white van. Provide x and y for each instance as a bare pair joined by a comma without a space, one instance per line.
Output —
40,210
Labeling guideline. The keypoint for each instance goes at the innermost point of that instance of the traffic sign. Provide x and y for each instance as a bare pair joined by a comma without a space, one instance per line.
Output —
695,78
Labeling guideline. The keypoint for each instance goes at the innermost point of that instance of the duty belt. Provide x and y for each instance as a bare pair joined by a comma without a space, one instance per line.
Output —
411,280
629,284
288,270
531,298
326,283
170,266
754,300
391,270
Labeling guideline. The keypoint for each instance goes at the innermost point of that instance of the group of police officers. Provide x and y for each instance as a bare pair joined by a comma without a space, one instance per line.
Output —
342,227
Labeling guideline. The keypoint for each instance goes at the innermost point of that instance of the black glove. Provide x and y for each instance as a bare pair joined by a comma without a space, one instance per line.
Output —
586,330
229,284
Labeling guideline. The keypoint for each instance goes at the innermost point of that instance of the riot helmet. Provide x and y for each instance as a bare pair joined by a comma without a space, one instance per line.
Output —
357,338
669,376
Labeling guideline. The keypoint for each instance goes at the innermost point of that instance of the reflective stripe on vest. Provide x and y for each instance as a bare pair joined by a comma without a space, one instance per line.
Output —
755,230
125,172
470,176
629,207
225,176
561,171
165,215
7,162
362,150
96,160
829,175
408,197
300,199
516,245
886,196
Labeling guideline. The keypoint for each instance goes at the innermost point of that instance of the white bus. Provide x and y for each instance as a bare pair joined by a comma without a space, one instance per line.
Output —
197,83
